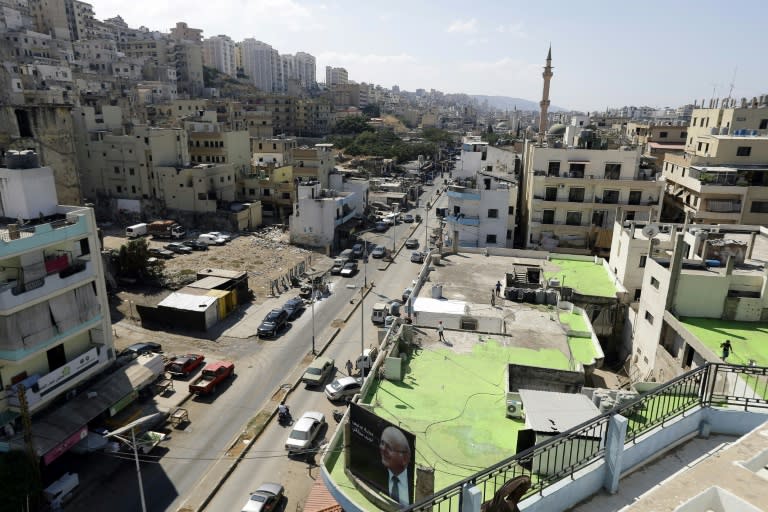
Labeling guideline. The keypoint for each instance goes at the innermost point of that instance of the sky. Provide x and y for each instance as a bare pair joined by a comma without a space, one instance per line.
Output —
605,54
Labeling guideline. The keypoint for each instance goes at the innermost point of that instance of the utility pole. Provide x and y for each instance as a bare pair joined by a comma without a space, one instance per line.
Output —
362,328
26,423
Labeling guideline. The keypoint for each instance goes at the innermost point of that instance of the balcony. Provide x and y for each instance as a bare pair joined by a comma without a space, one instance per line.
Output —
463,220
464,196
14,294
42,388
40,235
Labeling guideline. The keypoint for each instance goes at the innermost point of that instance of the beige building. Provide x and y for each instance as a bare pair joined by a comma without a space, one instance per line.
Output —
269,152
274,187
571,196
313,164
199,188
63,19
722,176
219,53
209,143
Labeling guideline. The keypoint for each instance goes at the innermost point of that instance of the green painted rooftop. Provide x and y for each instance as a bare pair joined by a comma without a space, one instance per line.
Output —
748,339
455,405
586,277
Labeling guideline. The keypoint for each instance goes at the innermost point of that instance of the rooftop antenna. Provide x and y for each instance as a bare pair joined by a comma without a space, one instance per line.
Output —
733,83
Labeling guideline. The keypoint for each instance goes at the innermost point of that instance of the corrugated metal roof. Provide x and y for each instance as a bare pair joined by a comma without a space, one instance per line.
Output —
551,412
188,302
218,272
320,500
209,282
217,293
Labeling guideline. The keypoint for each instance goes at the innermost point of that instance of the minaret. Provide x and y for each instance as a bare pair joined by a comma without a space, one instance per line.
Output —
547,74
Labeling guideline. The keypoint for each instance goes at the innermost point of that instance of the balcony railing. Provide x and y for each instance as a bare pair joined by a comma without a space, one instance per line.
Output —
711,385
14,294
638,176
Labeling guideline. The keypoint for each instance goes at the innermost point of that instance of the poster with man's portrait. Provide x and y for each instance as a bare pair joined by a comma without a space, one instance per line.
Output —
382,454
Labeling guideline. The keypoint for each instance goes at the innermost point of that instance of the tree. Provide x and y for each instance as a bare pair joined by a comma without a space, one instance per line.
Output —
133,261
352,125
372,110
437,135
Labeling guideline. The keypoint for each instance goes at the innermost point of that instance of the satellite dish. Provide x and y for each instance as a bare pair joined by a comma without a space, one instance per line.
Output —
651,230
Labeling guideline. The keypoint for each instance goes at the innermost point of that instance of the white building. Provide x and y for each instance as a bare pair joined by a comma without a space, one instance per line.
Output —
335,76
321,215
301,67
482,215
261,63
55,329
219,53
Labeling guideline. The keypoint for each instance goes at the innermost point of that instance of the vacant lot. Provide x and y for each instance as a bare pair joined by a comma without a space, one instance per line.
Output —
266,255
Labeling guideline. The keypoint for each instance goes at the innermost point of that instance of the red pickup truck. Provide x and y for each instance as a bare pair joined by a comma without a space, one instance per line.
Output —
183,366
212,375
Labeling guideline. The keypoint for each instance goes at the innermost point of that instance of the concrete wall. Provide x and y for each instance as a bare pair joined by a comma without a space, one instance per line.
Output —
648,329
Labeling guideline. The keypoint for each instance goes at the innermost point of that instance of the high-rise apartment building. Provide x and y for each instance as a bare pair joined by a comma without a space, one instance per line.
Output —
301,67
335,76
261,63
63,19
219,53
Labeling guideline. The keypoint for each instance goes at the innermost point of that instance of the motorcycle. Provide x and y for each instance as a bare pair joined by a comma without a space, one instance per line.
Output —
284,418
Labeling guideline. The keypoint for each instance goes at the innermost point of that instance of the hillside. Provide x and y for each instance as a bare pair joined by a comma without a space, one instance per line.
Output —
509,103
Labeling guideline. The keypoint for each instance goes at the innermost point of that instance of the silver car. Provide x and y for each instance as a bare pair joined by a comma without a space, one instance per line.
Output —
305,432
265,499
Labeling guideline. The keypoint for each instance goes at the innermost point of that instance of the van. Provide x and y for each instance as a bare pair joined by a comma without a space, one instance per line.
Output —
136,230
60,492
379,313
209,239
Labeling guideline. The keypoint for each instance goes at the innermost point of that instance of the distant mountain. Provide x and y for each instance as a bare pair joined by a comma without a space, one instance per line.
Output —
507,103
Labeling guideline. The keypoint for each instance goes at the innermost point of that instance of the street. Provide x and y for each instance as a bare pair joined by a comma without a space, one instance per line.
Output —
178,469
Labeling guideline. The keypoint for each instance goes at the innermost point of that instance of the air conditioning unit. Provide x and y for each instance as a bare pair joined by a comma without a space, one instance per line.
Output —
514,409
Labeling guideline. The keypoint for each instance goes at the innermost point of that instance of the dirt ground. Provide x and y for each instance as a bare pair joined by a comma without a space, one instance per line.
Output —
265,254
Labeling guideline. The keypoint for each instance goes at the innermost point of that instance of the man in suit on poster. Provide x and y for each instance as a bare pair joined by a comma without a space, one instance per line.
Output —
396,457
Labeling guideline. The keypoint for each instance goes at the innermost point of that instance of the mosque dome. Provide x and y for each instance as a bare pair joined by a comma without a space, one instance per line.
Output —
557,130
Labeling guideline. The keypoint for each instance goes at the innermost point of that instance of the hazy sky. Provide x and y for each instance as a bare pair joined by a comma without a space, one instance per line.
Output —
605,54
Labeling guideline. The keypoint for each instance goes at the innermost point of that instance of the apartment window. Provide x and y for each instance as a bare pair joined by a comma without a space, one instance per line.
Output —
612,171
119,189
201,196
509,234
758,207
701,145
610,196
634,196
266,192
576,194
576,170
763,124
553,169
655,282
637,294
117,170
643,260
550,194
511,210
251,191
573,218
132,171
663,135
133,189
683,135
599,217
548,217
743,150
649,317
490,239
694,121
493,213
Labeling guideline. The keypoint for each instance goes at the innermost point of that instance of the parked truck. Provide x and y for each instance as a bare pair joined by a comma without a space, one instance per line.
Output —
211,376
166,229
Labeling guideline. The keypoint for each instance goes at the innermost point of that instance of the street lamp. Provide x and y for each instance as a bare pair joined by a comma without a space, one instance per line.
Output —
314,298
362,329
132,443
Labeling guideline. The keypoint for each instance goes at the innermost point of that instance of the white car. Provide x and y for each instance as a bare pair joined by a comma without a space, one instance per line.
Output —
220,234
304,432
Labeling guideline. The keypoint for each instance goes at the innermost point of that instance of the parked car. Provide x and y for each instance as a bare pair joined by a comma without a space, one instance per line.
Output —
183,366
266,498
305,432
406,294
317,371
221,234
343,389
178,248
145,347
162,254
195,245
417,257
408,218
394,308
358,250
381,226
212,375
273,323
411,243
338,265
378,252
350,269
294,307
210,239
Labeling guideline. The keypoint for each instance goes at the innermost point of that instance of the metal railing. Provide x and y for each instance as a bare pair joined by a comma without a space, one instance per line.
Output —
711,385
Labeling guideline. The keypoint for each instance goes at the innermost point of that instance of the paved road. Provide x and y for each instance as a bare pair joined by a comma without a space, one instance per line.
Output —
266,460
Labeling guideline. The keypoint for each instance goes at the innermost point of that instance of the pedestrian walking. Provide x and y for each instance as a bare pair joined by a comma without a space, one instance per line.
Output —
440,335
493,298
349,367
498,288
727,349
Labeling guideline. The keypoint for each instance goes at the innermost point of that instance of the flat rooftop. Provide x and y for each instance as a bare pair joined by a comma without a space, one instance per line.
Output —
749,339
453,399
470,277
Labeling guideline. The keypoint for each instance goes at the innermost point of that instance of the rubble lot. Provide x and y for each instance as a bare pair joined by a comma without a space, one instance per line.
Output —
265,254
